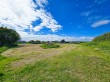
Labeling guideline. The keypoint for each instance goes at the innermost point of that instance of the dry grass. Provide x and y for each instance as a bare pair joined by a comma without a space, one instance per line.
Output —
31,53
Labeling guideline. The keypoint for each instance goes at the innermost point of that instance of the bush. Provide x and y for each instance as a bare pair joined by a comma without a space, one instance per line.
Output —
49,45
8,36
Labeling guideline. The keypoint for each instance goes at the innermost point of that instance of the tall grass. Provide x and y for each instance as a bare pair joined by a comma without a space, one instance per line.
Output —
101,46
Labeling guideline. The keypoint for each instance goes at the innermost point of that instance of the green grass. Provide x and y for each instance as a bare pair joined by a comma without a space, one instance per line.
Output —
84,63
2,49
4,61
49,45
101,46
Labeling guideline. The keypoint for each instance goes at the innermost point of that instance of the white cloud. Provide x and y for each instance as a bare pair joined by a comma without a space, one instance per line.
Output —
41,2
86,13
99,1
19,15
52,37
47,21
100,23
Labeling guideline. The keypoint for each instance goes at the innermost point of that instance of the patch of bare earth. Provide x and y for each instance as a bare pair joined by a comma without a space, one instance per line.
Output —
31,53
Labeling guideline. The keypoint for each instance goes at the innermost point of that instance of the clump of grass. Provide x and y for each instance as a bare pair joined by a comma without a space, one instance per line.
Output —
1,77
2,57
2,49
1,74
49,45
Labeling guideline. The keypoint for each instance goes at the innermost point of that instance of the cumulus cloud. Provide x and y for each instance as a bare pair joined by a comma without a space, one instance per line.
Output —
20,14
100,23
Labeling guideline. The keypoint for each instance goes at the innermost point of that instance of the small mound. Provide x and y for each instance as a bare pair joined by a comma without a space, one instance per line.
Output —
49,45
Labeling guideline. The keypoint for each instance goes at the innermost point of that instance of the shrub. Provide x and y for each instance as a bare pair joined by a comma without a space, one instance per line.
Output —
8,36
49,45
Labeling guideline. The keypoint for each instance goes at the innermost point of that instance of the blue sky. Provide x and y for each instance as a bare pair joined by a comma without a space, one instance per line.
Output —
77,16
60,19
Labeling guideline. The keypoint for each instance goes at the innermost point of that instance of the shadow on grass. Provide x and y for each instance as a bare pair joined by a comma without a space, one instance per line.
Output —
1,74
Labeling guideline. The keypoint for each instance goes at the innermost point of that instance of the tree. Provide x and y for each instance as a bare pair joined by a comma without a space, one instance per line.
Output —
62,41
31,41
35,42
8,36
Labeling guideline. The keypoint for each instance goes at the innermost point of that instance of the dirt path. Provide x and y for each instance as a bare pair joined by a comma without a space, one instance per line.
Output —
29,53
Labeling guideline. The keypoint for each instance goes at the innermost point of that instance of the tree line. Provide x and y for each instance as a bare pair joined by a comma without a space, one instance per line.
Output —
9,37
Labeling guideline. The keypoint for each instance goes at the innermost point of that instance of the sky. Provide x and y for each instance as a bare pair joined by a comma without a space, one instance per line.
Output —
48,20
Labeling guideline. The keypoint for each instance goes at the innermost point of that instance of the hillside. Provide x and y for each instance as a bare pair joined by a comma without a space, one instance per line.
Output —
103,37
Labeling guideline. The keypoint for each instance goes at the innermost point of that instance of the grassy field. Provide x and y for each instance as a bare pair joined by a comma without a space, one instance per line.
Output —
87,62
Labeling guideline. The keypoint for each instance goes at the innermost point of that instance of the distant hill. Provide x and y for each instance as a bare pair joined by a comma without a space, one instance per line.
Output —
104,37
